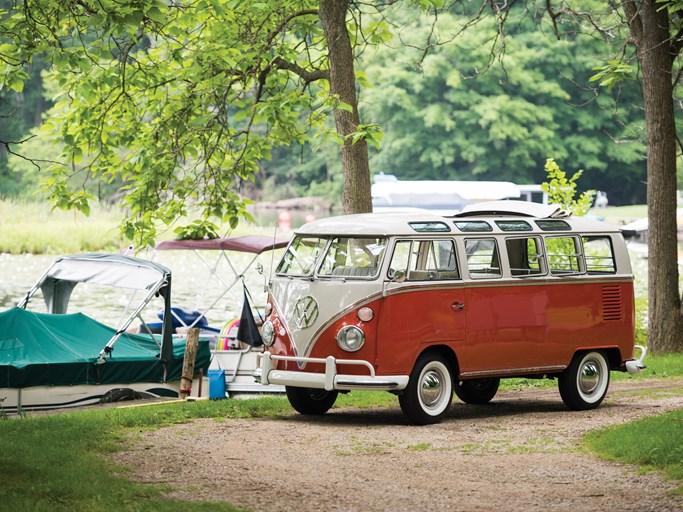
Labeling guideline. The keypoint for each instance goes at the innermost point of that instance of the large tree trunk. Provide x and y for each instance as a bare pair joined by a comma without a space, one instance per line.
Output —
354,157
654,50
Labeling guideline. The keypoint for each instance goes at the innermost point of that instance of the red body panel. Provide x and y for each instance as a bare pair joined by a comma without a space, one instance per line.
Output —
501,328
414,317
536,326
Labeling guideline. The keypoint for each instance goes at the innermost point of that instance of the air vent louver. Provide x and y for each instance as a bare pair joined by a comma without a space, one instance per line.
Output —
611,303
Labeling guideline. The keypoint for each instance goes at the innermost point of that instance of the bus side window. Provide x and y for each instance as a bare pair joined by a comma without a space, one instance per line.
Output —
425,260
482,258
440,262
525,256
599,255
564,255
400,258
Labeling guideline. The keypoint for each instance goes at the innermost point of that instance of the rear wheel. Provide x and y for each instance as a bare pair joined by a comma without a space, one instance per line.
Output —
583,385
429,393
477,391
311,401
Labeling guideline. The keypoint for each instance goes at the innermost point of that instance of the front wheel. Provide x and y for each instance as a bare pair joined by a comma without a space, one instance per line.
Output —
477,391
310,401
428,395
583,385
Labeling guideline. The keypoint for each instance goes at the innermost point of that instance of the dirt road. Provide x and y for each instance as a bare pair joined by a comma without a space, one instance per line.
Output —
522,452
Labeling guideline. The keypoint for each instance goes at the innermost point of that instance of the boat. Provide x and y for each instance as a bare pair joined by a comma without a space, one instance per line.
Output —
53,358
237,346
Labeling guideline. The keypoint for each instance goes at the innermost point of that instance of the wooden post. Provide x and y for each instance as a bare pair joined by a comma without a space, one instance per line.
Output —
188,362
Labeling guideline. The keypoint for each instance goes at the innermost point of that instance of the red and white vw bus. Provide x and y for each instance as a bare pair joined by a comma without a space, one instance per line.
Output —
423,305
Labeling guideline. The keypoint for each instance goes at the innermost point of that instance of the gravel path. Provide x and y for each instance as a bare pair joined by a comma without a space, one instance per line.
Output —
522,452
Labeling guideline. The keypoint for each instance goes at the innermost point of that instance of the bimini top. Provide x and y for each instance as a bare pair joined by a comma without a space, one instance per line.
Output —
109,270
59,281
66,272
254,244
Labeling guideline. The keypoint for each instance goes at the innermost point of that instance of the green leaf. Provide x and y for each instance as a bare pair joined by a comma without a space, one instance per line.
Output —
17,84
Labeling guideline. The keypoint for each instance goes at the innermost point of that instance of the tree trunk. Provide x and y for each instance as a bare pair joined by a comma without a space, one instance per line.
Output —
354,157
654,50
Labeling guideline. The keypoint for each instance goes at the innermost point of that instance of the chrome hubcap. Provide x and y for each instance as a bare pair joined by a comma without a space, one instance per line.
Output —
432,388
589,377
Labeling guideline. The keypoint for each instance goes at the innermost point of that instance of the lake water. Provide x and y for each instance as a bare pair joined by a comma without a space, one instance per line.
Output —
18,274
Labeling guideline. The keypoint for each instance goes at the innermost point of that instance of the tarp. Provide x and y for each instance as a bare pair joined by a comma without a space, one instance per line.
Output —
109,270
254,244
40,349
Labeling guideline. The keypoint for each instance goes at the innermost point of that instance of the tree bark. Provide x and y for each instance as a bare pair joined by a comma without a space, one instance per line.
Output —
651,33
354,156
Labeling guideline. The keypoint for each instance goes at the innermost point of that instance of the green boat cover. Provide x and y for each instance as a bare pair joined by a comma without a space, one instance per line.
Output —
40,349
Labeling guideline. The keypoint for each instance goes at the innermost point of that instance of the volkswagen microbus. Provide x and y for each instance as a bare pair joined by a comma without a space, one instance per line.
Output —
425,306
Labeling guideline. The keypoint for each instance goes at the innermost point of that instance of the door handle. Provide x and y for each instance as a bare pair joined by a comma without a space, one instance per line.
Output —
457,306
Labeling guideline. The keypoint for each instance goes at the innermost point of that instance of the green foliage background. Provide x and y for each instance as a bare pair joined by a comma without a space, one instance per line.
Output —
471,107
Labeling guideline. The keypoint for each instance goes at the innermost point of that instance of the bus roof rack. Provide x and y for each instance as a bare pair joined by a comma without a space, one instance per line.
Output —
516,208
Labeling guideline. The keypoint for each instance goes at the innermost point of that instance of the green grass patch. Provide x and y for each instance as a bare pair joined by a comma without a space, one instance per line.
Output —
53,463
620,214
32,227
658,366
653,443
367,399
420,447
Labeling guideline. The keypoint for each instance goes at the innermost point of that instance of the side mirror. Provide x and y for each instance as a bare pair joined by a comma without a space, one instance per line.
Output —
397,276
259,268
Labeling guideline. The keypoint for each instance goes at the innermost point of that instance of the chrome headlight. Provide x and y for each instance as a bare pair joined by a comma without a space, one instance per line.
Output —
267,333
350,338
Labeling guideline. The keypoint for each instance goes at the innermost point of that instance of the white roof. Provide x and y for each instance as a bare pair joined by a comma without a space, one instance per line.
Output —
399,223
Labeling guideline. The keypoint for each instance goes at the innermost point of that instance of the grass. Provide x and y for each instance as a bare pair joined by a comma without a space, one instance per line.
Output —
31,227
658,366
620,214
652,443
53,463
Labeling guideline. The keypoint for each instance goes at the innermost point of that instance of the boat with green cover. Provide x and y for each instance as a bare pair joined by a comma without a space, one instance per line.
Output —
58,359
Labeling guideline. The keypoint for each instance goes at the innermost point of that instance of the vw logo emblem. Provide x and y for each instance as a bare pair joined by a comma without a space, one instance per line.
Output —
305,312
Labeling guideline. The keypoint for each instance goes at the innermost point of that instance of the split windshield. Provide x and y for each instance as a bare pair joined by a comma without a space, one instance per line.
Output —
338,256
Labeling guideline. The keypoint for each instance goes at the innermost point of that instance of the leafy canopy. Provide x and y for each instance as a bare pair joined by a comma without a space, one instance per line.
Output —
181,101
482,106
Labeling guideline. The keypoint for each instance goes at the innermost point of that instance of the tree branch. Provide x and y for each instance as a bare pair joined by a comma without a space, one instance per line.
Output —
285,21
33,161
676,44
304,74
634,21
553,17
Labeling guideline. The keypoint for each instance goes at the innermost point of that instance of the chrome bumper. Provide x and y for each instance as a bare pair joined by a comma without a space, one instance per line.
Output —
636,366
330,380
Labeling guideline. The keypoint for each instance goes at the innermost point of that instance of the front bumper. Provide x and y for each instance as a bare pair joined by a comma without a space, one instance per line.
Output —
330,380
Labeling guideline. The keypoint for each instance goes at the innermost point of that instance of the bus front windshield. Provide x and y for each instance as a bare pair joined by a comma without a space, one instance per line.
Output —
348,257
